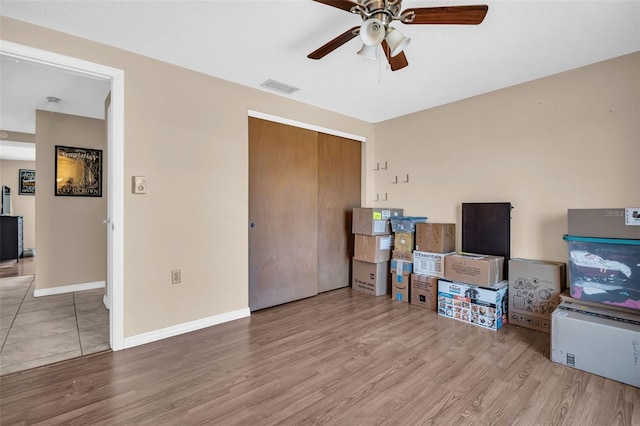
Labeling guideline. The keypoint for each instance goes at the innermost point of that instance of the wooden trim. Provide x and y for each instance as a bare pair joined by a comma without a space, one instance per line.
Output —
308,126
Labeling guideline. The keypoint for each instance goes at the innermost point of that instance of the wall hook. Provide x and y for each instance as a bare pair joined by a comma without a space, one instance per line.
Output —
406,181
385,197
377,197
385,166
395,181
377,167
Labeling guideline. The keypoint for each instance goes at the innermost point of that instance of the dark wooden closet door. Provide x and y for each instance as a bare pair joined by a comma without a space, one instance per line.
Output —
338,193
283,212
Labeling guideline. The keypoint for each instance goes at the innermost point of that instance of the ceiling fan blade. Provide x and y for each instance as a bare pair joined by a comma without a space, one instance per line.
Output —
397,62
334,44
340,4
465,15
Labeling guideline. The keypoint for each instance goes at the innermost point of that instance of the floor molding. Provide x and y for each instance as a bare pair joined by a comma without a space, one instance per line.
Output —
163,333
67,288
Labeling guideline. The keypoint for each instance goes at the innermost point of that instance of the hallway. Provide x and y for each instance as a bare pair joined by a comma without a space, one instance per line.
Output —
44,330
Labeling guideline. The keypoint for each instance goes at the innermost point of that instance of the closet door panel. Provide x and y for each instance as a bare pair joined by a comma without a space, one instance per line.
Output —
339,164
283,212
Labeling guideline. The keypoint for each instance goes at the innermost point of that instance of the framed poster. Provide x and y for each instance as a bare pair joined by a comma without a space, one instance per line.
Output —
78,172
26,182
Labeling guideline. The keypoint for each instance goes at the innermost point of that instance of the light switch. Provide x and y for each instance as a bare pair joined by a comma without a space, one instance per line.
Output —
139,184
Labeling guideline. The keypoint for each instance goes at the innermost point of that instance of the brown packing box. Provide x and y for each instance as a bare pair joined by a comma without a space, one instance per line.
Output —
373,221
534,292
405,267
373,249
400,288
471,268
436,237
402,255
424,291
605,223
370,278
403,241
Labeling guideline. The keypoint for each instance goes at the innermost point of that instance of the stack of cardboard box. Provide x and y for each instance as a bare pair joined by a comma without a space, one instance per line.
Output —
434,242
596,327
372,249
402,259
473,290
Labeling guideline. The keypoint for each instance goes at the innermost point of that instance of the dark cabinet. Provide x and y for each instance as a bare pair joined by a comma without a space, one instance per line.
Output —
11,235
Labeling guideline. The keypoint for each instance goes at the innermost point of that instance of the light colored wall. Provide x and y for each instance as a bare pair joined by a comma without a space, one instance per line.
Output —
567,141
188,134
21,205
72,240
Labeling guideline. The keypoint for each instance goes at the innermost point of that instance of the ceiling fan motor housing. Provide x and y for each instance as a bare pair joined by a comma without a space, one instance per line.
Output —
385,11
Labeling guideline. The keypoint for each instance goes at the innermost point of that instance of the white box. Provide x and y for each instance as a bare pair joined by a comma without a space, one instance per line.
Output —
482,306
598,341
431,264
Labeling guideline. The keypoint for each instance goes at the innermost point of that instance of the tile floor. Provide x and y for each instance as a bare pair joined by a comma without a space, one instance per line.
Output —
35,331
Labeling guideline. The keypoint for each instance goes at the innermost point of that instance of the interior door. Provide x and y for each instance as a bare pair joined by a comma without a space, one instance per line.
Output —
283,213
339,163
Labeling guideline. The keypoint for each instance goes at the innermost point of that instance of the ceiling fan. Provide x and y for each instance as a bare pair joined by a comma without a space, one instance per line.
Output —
376,29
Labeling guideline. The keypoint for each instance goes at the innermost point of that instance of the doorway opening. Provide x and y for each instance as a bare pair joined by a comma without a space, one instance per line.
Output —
115,165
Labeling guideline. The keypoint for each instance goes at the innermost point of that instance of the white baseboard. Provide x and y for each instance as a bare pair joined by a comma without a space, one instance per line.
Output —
106,301
163,333
67,288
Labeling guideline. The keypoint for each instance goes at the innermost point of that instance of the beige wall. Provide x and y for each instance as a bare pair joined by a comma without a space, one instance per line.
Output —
545,146
188,134
72,240
21,205
567,141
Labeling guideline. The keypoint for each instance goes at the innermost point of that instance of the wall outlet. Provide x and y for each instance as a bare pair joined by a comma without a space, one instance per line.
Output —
176,276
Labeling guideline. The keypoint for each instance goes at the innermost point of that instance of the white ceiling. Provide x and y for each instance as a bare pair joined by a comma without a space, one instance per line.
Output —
248,42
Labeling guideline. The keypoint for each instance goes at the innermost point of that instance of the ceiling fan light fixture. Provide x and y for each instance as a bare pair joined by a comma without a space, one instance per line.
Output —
369,52
396,41
372,32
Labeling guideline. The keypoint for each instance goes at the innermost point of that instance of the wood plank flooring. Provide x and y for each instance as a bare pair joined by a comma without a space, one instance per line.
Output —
340,358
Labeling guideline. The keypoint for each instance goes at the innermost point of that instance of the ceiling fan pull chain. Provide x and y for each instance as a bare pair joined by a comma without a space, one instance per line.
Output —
380,65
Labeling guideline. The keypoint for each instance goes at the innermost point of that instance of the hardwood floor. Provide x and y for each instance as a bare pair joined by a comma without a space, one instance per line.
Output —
341,358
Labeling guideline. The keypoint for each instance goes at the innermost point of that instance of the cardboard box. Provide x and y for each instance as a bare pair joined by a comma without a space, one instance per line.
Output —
372,249
436,237
429,263
424,291
534,292
605,270
400,287
370,278
373,221
478,269
404,266
481,306
403,241
597,342
402,255
605,223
